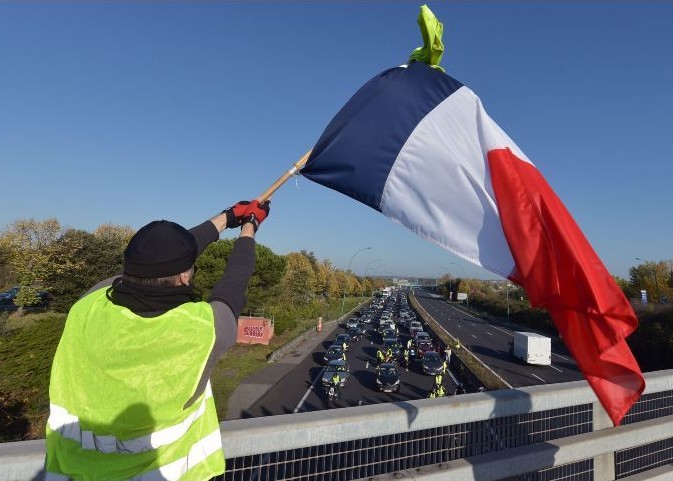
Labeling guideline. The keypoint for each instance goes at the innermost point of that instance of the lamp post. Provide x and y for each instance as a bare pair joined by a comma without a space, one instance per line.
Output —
464,274
450,283
367,268
508,286
343,299
654,274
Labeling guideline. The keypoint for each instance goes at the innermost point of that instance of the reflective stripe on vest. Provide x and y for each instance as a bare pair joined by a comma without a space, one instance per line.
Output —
68,426
172,471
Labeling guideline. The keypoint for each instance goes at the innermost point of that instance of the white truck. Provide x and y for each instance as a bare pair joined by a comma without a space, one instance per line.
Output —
532,348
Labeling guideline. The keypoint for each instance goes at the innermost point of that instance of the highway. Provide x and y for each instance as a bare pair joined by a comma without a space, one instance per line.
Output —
490,343
301,390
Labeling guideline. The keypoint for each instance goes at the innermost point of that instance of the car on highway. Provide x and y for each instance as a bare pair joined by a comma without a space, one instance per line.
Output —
355,333
432,363
414,328
394,346
335,351
388,377
423,347
352,322
422,336
338,366
343,339
389,335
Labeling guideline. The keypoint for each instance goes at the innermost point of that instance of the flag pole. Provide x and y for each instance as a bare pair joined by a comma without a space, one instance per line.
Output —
296,167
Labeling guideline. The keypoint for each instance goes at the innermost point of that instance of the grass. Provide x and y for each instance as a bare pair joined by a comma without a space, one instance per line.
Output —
27,347
28,344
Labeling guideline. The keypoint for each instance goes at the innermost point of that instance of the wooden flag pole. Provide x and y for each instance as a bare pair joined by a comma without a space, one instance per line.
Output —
283,178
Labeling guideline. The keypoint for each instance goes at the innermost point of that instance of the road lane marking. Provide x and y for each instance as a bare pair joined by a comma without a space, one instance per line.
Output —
367,365
562,357
554,367
473,336
539,378
308,391
502,330
489,333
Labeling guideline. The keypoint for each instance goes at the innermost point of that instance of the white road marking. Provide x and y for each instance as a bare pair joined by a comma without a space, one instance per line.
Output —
538,377
554,367
367,365
489,333
473,336
459,325
502,330
562,357
308,391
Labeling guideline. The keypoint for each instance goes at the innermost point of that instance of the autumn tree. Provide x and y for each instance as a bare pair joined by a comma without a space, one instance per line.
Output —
33,256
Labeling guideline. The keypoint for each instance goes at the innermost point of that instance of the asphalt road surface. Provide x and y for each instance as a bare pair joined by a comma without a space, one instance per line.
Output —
490,343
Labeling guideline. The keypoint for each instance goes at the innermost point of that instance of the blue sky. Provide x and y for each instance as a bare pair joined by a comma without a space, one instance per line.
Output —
128,112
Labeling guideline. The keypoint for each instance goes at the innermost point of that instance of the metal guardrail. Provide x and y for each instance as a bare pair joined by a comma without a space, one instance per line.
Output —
545,433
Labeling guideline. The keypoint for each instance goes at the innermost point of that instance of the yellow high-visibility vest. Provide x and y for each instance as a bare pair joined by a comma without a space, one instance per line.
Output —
119,383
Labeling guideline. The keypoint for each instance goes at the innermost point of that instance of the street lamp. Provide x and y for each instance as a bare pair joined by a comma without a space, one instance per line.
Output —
508,286
343,299
367,268
450,283
464,274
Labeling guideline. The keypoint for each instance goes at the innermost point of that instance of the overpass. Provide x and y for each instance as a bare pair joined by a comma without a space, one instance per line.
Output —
540,433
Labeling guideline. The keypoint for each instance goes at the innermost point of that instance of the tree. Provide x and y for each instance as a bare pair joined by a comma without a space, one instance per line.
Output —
33,257
299,282
100,255
652,277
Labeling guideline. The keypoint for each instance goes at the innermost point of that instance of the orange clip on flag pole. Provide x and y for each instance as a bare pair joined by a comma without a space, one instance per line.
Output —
296,167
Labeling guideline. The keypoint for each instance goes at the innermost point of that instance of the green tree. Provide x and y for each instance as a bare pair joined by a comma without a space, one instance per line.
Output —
299,282
101,256
34,257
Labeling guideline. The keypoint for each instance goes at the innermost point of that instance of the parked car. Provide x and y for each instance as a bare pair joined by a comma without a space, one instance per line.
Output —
7,300
432,363
388,377
338,366
335,351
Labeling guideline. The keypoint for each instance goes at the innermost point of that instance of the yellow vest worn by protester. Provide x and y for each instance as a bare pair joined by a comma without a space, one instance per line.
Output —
118,385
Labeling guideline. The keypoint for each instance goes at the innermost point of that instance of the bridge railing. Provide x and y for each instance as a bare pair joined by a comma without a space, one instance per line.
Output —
545,433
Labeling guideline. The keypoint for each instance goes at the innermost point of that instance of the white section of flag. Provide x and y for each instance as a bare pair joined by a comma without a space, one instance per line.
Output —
440,186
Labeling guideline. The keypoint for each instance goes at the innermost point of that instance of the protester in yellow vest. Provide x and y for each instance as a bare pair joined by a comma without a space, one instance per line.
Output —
130,392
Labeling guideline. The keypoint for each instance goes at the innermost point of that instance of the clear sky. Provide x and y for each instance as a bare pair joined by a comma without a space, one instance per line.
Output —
128,112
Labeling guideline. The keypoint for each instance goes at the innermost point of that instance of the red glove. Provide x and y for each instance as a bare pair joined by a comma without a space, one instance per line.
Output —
236,214
255,213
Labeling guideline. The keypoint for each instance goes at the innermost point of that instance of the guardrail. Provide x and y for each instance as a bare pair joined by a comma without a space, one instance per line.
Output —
550,432
486,376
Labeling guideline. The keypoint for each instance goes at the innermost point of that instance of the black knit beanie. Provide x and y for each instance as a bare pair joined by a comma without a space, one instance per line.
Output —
160,249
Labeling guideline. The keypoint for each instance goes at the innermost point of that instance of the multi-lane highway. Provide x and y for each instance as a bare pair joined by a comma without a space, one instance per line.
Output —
302,391
490,343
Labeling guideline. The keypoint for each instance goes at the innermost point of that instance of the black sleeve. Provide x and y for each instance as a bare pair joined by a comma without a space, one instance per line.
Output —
225,337
204,234
231,287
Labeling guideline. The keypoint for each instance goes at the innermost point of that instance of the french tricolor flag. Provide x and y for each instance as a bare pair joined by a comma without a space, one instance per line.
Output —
418,146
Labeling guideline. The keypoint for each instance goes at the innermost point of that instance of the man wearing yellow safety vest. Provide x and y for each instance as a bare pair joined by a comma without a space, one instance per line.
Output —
130,393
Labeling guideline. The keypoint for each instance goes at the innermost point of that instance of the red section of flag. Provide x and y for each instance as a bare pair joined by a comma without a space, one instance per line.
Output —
562,274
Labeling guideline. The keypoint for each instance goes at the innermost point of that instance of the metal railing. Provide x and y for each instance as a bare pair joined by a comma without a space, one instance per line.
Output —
541,433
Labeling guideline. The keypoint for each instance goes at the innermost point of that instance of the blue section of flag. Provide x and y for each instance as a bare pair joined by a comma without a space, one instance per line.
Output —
358,148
